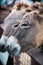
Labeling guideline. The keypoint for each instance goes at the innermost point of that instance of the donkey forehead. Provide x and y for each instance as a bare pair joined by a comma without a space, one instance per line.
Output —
28,17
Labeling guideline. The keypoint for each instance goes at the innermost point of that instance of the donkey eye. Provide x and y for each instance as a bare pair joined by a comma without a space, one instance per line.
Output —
25,25
15,25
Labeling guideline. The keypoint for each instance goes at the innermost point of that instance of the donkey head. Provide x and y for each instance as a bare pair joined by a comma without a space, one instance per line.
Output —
30,31
26,34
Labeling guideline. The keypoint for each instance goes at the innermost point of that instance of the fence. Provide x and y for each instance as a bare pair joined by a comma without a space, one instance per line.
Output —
24,59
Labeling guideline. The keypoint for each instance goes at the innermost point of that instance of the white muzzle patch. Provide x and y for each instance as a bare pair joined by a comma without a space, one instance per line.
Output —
13,46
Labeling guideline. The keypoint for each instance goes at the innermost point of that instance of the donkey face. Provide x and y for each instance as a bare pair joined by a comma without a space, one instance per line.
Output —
8,42
30,33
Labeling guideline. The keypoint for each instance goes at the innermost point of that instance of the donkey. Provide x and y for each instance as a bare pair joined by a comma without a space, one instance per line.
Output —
23,35
13,18
28,32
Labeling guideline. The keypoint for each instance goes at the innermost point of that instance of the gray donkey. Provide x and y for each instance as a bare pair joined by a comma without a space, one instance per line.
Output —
13,18
28,32
22,35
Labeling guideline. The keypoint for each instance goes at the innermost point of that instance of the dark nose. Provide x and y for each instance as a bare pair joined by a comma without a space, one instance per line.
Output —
2,48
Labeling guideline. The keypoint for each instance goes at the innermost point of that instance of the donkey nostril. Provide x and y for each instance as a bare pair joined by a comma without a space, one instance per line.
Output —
15,50
2,46
8,47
